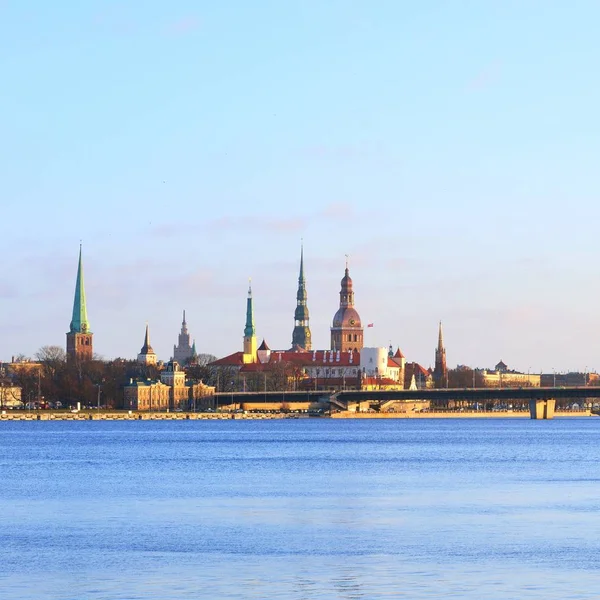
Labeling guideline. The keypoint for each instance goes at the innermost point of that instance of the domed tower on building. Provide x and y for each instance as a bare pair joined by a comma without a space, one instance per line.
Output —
147,355
347,330
301,335
440,372
79,338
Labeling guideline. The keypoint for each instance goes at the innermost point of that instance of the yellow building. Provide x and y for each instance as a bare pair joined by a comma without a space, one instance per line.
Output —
502,376
146,395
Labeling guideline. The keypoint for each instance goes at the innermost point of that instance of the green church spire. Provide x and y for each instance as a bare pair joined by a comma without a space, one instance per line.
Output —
301,336
79,322
249,330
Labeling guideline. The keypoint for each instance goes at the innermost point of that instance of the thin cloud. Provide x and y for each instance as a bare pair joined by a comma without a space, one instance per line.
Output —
486,78
184,26
258,223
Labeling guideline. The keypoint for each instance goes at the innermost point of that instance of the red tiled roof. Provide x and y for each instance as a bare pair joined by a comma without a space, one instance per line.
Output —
303,358
399,354
417,368
392,363
234,359
252,368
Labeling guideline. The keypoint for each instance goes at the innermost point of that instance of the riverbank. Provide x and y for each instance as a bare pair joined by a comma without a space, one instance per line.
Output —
455,415
92,415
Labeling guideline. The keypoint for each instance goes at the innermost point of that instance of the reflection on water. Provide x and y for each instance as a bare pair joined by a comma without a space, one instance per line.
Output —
299,509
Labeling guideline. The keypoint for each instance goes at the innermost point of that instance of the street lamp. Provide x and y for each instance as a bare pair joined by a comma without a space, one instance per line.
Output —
99,386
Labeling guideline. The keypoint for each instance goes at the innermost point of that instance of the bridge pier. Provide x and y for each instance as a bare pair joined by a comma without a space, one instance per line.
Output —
542,409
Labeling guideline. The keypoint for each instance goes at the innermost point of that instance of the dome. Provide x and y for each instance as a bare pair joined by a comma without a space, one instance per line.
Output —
346,280
346,316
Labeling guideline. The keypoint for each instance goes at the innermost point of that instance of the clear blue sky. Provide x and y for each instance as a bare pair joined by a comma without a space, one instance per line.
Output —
449,147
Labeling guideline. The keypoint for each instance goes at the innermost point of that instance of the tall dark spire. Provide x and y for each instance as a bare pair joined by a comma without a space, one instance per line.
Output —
147,348
440,372
147,356
301,335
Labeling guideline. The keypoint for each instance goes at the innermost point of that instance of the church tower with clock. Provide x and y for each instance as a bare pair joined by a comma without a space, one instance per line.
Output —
347,330
79,337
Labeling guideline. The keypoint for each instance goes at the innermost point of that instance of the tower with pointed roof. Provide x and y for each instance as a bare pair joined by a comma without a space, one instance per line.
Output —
301,337
147,355
347,330
183,352
249,355
440,371
79,337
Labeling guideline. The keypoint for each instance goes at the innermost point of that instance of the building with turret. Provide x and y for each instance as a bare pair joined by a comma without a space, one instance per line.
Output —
347,365
301,338
147,355
183,351
80,338
347,330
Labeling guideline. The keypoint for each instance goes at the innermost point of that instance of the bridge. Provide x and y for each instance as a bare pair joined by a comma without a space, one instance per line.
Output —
541,401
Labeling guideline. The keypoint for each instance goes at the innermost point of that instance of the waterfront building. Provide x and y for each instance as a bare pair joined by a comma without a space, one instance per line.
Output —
440,371
79,337
502,376
301,336
183,351
347,330
171,392
174,376
147,355
146,395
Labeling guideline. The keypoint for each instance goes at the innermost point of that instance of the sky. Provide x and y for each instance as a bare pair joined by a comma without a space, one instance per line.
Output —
448,147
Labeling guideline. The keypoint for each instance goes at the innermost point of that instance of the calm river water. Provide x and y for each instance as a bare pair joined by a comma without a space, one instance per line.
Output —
300,509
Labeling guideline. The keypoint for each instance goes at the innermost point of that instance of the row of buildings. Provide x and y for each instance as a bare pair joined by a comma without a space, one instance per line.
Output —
346,364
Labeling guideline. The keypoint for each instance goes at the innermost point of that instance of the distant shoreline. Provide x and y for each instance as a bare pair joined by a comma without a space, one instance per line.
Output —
91,415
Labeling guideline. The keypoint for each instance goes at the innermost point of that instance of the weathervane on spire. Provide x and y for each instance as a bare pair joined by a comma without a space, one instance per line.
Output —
347,257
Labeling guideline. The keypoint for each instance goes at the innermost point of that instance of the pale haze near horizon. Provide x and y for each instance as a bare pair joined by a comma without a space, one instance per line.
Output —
449,148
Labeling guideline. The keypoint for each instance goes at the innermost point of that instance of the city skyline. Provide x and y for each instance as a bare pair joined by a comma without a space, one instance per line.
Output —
368,326
190,148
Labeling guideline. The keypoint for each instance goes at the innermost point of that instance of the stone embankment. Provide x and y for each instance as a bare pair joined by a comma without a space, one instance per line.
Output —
453,415
41,415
